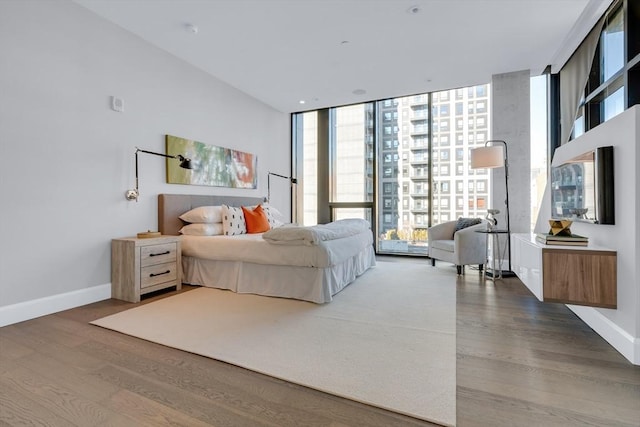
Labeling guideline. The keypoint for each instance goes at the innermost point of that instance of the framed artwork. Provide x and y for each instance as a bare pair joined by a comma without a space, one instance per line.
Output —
212,166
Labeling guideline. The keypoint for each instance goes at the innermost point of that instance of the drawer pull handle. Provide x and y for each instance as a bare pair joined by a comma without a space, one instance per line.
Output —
161,253
159,274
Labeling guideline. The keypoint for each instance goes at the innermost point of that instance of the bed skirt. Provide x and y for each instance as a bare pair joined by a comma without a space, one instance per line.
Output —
304,283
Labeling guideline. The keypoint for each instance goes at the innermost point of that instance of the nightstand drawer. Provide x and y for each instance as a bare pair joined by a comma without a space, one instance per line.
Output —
157,254
160,273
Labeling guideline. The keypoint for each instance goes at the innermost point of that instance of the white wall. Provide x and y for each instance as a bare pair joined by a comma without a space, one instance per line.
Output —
67,158
621,327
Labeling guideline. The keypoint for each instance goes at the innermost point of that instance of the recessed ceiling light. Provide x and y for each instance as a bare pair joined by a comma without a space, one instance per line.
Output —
192,28
359,92
302,101
414,9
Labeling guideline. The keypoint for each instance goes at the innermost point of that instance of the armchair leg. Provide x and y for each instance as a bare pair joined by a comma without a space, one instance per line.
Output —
480,267
433,262
460,269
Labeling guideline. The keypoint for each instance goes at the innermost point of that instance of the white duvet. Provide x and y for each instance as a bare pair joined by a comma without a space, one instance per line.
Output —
295,235
316,250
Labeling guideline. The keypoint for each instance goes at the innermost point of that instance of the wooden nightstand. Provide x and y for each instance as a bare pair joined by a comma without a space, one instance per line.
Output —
140,266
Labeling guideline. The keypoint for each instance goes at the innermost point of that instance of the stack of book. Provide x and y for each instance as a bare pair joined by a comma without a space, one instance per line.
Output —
572,240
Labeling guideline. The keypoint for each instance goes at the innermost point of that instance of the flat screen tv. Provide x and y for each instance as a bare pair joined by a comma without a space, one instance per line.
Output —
582,188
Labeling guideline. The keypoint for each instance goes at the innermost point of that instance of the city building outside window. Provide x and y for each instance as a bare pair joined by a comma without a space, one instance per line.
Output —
424,178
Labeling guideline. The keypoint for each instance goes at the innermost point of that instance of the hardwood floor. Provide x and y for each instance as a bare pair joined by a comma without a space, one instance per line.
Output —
520,363
59,370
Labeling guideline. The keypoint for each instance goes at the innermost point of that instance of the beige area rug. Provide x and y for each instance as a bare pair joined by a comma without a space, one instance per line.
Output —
387,340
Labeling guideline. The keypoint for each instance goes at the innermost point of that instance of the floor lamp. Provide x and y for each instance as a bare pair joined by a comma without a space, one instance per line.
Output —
490,157
291,181
135,193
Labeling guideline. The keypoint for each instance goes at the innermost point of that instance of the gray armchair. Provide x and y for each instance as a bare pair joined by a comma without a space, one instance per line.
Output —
462,247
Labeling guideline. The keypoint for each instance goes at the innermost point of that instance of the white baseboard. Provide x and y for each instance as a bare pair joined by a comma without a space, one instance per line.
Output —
620,339
27,310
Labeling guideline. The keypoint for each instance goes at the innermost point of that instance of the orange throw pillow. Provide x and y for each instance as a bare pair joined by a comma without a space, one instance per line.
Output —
256,220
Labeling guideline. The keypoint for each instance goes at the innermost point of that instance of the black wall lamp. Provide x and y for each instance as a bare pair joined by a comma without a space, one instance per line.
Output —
291,180
184,163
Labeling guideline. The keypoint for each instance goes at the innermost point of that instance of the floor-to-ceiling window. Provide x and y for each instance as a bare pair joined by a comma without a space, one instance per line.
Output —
423,175
351,145
408,157
539,143
403,174
461,119
613,84
305,130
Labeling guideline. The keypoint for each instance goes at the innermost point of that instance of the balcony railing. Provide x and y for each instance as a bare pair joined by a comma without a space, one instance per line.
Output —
419,145
416,177
418,100
418,115
420,130
419,161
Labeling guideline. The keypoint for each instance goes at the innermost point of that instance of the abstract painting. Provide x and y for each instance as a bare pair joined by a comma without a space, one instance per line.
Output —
212,166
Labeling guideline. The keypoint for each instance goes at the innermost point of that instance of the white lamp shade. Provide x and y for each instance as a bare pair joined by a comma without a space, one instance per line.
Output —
487,157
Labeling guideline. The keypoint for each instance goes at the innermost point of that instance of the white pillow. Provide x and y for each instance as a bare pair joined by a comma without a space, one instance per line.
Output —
274,216
203,215
233,221
202,229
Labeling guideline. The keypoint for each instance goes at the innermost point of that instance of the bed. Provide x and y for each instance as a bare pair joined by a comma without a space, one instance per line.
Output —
268,264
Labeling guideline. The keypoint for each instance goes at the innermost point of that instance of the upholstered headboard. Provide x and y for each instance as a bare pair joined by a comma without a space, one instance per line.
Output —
171,206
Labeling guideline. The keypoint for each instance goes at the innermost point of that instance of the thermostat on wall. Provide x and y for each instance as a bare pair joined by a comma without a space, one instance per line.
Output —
117,104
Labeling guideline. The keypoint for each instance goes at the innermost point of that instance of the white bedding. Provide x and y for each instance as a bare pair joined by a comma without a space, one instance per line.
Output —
253,248
317,285
295,234
248,263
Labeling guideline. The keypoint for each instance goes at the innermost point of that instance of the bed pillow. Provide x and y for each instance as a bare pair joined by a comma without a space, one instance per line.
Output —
233,221
274,216
463,223
203,215
256,220
202,229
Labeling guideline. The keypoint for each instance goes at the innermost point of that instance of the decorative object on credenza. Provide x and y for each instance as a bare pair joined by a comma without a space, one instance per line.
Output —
215,166
185,163
572,240
560,227
491,218
560,234
490,157
291,181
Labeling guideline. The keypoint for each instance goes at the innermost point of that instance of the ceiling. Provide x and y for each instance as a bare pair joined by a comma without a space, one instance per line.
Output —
337,52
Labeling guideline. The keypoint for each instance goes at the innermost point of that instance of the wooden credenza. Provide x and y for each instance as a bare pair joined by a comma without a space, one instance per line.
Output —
580,275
